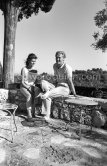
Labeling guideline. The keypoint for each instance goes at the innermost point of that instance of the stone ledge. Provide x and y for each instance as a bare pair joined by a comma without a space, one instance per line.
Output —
16,97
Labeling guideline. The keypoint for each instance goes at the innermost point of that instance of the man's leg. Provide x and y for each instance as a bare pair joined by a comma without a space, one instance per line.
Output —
46,107
56,92
49,95
46,86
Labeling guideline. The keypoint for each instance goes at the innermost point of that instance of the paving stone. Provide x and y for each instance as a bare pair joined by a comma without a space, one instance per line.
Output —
58,139
71,144
2,155
2,113
4,124
92,152
1,139
32,153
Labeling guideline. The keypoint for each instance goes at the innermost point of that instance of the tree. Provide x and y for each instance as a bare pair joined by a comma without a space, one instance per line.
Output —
101,36
14,11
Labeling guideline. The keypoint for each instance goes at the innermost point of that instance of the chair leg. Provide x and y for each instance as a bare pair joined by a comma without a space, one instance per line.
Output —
80,125
12,128
11,123
14,119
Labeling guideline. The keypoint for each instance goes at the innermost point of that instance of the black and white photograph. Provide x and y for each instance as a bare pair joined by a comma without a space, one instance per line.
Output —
53,82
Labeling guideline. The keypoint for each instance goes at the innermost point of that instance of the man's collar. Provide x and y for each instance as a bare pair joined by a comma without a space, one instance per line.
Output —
61,66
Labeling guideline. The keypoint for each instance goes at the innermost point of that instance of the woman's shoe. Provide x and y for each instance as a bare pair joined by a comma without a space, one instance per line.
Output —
31,119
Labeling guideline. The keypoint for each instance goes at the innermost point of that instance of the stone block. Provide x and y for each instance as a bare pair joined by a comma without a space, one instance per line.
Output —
4,93
15,96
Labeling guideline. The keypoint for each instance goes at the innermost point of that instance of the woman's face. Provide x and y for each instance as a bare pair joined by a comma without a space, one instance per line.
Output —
32,63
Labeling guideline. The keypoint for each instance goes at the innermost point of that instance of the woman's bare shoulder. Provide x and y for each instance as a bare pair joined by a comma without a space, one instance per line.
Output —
24,70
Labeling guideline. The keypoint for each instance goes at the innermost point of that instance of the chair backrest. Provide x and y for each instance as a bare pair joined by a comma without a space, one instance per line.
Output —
4,94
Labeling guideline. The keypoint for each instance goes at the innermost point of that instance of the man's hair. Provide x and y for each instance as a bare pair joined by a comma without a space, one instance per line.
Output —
60,52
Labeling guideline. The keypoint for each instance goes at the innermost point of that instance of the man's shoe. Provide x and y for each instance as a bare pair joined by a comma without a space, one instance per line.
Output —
47,118
39,95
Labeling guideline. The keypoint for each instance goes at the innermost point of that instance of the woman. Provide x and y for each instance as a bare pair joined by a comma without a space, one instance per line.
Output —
28,87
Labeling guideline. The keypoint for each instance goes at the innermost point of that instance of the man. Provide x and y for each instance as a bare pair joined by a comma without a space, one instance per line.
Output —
64,85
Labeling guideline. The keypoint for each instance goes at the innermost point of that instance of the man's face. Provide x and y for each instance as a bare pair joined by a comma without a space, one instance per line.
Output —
60,59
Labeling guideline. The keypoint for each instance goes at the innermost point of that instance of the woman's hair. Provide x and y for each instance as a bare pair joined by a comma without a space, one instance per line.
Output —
29,58
60,52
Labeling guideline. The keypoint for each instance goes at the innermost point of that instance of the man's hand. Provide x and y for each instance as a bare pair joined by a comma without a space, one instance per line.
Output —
76,96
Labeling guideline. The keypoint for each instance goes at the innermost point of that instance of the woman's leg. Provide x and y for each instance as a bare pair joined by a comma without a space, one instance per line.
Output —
28,96
36,92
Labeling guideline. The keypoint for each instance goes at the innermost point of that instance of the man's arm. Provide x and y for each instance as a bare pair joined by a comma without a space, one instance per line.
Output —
71,86
69,79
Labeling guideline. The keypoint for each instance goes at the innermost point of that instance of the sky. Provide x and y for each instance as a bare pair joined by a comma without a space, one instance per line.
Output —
69,27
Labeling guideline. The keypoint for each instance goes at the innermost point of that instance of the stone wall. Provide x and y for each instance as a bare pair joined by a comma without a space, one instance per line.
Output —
73,112
15,96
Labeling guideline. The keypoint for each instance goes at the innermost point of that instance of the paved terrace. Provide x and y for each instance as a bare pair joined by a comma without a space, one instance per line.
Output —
43,144
50,144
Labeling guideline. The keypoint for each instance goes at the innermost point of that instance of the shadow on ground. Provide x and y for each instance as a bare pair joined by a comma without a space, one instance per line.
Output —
53,144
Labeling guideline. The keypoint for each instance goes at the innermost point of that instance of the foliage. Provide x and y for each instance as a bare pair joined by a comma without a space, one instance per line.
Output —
14,11
88,78
101,36
28,7
90,83
100,18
